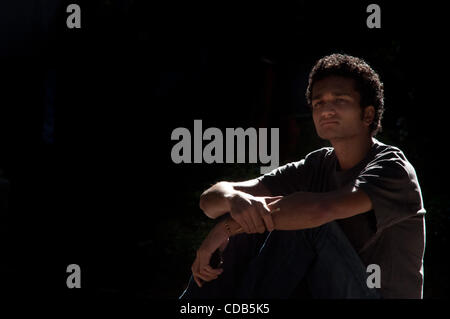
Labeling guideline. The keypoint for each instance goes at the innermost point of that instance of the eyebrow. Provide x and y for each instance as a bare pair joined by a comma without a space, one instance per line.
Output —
335,93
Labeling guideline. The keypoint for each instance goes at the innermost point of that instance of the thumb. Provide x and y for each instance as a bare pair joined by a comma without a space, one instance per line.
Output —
270,199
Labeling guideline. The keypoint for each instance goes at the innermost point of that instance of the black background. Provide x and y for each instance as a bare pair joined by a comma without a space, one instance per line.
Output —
86,116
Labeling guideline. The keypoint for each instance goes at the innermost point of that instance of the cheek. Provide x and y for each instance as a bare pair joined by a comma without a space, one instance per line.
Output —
316,117
351,113
355,122
316,121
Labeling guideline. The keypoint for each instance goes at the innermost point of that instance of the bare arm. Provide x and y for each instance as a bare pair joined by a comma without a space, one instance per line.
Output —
215,201
246,202
297,211
308,210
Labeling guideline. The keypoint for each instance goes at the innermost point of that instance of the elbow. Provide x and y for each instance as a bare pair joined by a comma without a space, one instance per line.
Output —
202,203
209,200
204,206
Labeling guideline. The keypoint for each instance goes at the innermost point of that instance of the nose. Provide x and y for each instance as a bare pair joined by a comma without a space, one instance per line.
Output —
327,110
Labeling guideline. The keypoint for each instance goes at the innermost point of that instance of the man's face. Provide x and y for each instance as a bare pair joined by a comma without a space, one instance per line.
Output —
336,110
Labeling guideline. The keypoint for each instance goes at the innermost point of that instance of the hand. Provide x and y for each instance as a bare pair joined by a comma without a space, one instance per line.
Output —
252,213
274,204
201,269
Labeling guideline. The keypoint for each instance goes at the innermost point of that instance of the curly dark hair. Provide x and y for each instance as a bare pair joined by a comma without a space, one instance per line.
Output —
367,82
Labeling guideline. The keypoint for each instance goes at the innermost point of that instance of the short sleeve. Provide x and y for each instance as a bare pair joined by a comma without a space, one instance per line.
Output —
391,183
285,179
295,176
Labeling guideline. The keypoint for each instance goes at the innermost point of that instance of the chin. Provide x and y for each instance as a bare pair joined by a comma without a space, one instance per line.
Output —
329,136
326,135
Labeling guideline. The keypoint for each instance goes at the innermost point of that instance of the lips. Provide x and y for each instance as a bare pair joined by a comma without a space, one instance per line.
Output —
328,122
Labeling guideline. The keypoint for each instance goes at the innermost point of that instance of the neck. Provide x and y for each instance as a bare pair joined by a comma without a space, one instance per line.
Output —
351,151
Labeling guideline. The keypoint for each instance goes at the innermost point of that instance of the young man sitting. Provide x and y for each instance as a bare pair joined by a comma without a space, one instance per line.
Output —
318,223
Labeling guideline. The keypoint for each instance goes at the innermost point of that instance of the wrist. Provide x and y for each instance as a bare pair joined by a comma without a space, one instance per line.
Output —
223,230
230,227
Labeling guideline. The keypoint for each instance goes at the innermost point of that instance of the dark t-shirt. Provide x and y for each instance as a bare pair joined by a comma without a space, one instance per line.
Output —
392,234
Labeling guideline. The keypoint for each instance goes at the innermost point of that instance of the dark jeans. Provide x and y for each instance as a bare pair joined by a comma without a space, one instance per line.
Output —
272,265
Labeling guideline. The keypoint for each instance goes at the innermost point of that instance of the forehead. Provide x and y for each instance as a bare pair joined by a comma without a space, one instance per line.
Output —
334,84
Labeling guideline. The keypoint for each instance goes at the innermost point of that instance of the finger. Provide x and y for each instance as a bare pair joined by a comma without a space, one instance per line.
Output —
194,267
240,219
267,217
204,264
209,276
200,262
243,223
272,199
197,281
197,278
252,218
197,269
257,217
204,276
275,210
268,222
272,206
213,271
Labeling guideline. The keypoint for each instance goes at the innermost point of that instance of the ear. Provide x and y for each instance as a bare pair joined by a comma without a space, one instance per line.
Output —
368,115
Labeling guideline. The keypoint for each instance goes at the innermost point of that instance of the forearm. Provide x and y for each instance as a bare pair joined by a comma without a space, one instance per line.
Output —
215,201
301,210
224,229
308,210
230,226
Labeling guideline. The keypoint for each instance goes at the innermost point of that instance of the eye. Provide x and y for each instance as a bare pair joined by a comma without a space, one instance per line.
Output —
340,101
317,104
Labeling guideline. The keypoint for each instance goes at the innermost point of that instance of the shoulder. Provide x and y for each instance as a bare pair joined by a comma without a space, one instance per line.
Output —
321,154
311,160
385,151
391,160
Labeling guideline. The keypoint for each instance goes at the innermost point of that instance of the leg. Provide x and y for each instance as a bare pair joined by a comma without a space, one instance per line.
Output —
337,272
323,256
239,252
281,264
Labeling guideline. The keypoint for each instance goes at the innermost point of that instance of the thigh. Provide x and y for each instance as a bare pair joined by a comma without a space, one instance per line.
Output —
279,267
338,271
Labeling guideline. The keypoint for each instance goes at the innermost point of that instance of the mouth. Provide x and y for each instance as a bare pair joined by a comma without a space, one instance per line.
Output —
328,123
